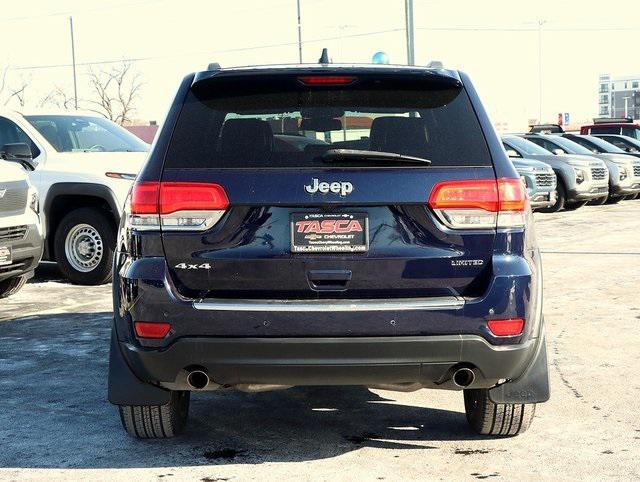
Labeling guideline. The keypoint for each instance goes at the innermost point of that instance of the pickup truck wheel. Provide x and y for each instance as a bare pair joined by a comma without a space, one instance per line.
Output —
83,246
156,421
561,198
488,418
11,286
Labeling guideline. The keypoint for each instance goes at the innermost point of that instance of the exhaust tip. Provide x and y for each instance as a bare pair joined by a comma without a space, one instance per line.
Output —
198,380
463,377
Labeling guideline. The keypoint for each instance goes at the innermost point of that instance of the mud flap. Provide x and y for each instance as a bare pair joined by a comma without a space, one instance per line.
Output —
532,386
127,389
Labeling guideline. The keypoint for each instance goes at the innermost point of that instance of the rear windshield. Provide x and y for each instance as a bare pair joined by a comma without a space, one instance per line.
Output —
263,122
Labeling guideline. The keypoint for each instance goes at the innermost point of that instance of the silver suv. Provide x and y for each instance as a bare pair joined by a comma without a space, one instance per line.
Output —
21,242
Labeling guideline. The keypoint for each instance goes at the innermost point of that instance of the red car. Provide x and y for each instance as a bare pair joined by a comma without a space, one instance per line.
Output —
621,126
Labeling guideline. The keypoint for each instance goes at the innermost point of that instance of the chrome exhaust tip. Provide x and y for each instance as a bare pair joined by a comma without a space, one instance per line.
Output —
463,377
198,379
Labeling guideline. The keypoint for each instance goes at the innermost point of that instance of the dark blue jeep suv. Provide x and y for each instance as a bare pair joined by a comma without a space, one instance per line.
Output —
327,225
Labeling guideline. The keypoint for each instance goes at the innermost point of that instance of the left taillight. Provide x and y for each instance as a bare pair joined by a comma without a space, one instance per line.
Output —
176,206
480,203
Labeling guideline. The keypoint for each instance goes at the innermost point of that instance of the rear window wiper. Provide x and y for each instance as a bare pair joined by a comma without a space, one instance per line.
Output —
333,155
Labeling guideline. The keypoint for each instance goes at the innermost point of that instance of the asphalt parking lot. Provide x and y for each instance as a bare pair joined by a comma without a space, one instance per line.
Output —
55,422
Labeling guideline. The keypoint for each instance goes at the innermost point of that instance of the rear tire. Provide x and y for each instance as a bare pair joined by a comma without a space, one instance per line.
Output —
83,246
156,421
560,200
503,419
11,286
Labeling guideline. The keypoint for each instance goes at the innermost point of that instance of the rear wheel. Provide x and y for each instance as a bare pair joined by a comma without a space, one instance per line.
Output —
83,245
560,200
11,286
488,418
156,421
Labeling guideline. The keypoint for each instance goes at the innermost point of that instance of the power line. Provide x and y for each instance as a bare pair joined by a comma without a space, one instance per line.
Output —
66,13
528,29
204,52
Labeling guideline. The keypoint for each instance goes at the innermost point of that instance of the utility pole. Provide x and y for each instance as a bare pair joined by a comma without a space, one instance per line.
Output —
540,24
408,10
299,35
73,63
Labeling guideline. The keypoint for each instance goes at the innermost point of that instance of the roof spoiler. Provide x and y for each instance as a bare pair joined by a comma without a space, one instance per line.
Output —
613,120
546,128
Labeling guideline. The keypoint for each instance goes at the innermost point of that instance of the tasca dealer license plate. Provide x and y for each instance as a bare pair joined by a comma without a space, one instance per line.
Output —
329,233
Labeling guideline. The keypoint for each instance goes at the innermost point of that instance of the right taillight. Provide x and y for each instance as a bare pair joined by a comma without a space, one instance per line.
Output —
480,203
176,206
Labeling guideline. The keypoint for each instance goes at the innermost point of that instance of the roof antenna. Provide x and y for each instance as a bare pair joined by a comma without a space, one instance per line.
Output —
324,58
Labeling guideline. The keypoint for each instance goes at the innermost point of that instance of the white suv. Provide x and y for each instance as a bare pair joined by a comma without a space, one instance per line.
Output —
84,167
21,240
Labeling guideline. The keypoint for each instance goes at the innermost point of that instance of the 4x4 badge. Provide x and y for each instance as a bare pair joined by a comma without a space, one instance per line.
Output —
343,188
192,266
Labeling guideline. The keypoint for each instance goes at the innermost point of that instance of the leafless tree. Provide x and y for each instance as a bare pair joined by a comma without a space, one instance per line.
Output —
59,98
12,91
17,93
115,92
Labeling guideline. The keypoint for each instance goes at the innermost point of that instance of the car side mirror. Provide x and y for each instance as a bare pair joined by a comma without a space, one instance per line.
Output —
512,153
558,151
19,152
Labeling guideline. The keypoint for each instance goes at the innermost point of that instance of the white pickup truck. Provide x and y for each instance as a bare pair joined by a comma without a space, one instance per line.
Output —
84,167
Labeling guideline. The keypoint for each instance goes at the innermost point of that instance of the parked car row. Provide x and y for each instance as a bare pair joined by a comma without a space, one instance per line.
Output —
587,168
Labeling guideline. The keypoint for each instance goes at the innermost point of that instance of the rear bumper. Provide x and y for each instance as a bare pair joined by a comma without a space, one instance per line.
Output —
318,342
428,361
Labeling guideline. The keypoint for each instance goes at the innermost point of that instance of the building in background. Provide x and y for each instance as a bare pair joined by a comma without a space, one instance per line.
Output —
145,132
619,96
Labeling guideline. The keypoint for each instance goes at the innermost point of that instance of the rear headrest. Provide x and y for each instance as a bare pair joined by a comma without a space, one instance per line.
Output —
404,135
245,137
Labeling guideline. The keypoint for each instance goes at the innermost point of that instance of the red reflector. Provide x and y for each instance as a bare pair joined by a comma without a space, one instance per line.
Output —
327,79
501,195
144,198
152,329
511,327
192,196
468,194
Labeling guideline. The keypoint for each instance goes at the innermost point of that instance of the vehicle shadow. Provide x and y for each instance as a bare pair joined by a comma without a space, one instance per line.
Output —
54,412
48,271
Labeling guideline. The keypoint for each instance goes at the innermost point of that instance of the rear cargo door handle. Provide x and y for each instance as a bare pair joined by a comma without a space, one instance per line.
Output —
328,279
